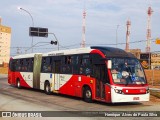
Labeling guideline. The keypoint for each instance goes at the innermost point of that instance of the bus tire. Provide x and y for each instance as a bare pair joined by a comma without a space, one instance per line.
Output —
47,88
87,95
18,84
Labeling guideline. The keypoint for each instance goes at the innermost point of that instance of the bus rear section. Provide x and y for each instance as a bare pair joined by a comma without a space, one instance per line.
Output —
20,72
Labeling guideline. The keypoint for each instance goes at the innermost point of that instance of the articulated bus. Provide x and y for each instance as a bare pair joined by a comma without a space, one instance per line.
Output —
95,73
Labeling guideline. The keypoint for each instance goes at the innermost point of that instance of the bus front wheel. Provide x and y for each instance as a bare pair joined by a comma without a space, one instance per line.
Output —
47,88
87,95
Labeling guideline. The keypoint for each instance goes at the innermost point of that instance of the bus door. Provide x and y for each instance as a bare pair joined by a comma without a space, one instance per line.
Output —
100,75
57,64
37,70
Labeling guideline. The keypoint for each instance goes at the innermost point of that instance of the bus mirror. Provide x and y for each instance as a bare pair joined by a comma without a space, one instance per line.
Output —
109,64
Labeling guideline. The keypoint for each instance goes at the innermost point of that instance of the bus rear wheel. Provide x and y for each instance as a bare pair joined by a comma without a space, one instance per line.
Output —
47,88
87,95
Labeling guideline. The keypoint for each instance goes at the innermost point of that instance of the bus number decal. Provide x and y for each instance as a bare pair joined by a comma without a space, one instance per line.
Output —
29,76
50,75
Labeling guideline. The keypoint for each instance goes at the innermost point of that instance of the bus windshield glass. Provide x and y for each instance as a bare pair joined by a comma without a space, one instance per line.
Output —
127,71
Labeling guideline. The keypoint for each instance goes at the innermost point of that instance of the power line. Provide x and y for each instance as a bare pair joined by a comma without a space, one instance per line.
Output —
153,40
74,45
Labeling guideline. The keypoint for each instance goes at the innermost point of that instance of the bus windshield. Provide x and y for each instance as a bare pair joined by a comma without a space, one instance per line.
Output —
127,71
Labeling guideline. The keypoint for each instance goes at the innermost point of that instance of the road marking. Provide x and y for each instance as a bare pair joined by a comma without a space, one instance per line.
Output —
6,87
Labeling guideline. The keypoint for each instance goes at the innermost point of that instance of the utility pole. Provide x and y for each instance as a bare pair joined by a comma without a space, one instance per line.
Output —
149,12
83,44
128,24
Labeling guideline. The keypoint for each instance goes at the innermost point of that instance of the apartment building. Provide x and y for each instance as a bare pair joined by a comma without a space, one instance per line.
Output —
5,42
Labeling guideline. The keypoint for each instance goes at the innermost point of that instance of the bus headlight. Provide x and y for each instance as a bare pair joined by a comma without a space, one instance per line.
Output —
118,91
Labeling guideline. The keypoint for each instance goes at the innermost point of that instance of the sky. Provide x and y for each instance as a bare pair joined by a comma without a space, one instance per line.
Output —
64,19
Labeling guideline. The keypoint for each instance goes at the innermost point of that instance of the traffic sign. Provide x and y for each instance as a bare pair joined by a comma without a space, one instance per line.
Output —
39,32
157,41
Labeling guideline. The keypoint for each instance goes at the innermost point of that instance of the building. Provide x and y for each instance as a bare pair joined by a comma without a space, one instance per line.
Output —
135,52
5,42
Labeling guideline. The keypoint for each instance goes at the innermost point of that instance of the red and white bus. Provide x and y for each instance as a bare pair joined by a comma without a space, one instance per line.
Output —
95,73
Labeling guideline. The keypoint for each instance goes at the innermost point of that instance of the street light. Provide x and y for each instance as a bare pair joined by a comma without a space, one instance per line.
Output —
117,35
20,8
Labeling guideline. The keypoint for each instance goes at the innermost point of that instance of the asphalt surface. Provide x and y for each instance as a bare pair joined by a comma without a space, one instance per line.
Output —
13,99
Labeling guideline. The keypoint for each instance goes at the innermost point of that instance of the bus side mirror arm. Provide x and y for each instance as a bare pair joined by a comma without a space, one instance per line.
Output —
109,64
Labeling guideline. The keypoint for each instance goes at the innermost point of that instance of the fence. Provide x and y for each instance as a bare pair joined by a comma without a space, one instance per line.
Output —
153,77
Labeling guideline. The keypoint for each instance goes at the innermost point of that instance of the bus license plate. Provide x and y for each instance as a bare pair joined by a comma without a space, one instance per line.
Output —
135,98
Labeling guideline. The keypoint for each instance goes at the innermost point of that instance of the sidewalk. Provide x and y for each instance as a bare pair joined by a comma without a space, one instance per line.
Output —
3,75
157,89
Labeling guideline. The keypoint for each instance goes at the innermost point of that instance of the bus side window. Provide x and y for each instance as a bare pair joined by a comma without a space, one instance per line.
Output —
66,66
85,63
23,65
26,65
46,64
43,65
12,65
75,64
17,64
30,65
52,65
68,60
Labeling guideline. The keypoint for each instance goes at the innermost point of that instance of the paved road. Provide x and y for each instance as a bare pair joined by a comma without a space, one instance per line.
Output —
13,99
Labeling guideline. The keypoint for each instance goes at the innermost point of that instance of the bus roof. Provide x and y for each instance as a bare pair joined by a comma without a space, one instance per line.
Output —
69,52
25,55
113,52
56,53
107,51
